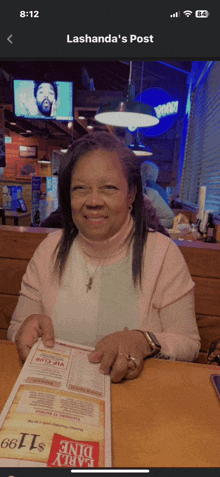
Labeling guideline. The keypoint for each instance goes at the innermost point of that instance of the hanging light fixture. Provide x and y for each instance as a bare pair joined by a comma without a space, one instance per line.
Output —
127,113
140,149
137,147
89,124
44,159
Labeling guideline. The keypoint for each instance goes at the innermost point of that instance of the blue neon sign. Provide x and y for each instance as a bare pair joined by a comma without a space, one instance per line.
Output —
165,106
163,110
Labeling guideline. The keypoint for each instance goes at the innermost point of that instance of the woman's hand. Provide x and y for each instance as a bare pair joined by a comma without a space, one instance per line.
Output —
121,354
32,328
214,354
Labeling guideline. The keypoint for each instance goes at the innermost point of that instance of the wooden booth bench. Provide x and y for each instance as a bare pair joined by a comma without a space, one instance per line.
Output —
17,245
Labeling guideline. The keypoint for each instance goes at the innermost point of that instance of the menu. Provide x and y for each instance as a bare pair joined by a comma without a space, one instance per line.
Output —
58,413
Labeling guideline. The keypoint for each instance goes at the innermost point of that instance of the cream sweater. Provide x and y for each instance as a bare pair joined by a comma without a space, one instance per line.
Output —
164,304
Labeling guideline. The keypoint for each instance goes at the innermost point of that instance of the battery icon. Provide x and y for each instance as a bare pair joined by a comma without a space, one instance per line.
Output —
202,13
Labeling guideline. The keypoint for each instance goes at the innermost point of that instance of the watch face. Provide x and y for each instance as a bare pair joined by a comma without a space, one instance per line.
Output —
153,341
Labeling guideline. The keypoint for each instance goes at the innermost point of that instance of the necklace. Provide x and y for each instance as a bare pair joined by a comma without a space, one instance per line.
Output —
89,284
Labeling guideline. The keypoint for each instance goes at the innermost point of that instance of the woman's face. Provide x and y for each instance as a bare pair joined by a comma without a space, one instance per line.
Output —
99,195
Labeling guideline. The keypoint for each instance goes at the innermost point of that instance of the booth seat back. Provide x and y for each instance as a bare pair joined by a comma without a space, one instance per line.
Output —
16,249
203,260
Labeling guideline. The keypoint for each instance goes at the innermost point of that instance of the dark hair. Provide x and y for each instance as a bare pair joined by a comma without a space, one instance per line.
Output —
109,142
38,83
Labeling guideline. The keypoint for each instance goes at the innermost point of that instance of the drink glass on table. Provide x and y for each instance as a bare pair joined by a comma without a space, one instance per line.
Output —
195,231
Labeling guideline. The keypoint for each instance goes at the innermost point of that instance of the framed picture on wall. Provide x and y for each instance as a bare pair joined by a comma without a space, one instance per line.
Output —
28,151
25,169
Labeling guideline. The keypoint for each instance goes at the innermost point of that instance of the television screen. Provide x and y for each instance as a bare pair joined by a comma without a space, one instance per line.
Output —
43,99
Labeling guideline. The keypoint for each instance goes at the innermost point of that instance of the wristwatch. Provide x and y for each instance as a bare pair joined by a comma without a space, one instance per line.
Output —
153,343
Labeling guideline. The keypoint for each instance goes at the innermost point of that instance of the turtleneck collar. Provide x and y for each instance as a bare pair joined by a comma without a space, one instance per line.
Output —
109,251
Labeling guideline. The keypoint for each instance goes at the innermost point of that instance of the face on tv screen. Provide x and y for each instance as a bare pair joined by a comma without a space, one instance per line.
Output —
43,100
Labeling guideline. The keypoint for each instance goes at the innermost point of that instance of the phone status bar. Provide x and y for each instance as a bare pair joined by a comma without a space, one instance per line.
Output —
188,13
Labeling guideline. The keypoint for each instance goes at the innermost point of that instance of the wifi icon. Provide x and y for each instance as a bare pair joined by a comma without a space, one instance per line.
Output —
188,13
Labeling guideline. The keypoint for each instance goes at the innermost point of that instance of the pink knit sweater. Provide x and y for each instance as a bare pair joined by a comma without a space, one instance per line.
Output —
166,299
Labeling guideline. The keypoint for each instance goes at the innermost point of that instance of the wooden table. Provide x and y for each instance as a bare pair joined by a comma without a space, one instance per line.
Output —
13,214
168,417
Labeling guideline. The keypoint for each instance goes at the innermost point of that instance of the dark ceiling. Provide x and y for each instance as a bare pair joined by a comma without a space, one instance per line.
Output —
109,78
107,75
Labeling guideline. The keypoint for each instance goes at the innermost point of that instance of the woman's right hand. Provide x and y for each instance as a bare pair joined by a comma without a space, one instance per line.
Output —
34,327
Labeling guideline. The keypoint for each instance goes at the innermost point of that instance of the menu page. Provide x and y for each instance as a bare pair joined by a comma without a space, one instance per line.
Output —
58,413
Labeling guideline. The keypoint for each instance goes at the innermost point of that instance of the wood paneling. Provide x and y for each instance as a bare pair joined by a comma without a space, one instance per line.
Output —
7,306
17,244
12,152
207,296
16,249
209,328
203,260
11,273
3,335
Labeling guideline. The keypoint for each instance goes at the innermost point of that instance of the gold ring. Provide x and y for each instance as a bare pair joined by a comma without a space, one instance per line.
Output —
130,358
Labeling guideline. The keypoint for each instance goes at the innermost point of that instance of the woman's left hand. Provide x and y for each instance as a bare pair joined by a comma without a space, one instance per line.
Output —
214,354
121,354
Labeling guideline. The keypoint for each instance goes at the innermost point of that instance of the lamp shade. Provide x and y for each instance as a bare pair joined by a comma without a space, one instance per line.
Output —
44,160
127,114
140,149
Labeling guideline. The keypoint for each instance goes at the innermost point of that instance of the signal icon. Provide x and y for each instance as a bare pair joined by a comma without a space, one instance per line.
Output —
175,15
188,13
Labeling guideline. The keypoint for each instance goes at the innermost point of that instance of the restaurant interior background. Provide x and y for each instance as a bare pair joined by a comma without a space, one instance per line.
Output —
183,434
185,146
191,85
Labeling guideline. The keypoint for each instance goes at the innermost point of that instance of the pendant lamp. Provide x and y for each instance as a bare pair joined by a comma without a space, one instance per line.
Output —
127,113
140,149
44,160
137,147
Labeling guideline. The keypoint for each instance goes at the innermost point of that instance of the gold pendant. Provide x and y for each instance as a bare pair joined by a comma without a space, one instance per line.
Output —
89,285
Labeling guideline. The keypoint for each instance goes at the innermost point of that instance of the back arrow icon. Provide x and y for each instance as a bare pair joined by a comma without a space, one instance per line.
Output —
9,39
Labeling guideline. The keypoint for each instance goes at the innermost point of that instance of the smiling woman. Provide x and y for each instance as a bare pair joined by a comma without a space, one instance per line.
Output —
107,280
100,204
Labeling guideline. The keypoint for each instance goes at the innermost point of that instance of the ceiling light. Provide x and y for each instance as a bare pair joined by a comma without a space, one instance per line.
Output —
89,124
81,116
127,113
44,160
140,149
26,134
132,128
